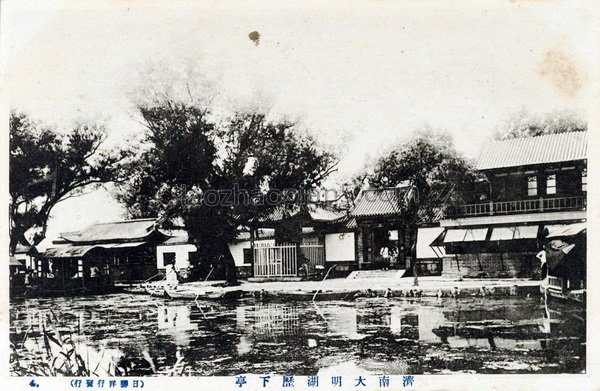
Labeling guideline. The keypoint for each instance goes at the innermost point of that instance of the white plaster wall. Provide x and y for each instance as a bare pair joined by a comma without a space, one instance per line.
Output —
26,260
339,247
181,255
237,249
424,238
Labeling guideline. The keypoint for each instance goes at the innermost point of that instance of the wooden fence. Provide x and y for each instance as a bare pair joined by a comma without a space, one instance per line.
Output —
282,260
275,261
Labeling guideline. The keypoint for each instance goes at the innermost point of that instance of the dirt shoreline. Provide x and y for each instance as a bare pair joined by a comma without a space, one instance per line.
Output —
379,287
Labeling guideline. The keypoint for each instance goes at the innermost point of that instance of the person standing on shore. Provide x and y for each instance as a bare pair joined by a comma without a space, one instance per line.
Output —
171,276
385,255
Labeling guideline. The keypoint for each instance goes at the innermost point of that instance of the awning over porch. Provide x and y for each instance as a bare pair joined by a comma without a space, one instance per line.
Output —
556,253
67,251
78,251
123,245
428,244
461,235
514,232
558,231
15,262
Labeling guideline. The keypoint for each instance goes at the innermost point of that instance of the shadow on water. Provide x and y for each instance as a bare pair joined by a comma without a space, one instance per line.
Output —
148,336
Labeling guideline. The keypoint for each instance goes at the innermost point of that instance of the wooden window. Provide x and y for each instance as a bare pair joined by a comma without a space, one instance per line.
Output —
247,256
532,186
168,258
551,184
584,179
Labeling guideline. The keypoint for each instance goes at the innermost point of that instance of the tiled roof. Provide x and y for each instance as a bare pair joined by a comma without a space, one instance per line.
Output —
116,231
76,251
315,213
550,148
321,213
175,236
432,216
349,222
379,202
24,248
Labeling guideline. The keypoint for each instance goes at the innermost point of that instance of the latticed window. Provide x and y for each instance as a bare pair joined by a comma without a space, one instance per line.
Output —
551,184
532,186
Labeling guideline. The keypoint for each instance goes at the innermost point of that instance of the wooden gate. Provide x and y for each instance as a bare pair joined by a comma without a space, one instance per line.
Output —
275,261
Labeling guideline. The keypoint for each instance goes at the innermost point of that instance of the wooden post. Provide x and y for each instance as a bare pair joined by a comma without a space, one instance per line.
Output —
458,267
80,273
298,253
413,254
252,238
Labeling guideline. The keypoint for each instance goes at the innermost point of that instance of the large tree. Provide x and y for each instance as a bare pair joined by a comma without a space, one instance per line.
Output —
177,154
524,124
187,156
438,177
47,167
429,162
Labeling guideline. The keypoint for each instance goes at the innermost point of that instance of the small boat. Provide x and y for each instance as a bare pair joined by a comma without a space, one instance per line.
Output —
315,295
500,328
203,294
575,296
156,290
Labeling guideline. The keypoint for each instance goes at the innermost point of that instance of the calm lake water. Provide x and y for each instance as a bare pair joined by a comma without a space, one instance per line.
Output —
368,335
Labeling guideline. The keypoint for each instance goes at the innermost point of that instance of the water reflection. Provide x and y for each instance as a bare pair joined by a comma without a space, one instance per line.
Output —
176,321
375,334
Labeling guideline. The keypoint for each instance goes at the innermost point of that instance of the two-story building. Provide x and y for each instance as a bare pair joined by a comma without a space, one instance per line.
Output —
530,186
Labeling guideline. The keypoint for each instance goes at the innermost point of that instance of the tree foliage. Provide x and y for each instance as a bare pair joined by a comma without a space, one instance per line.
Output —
430,164
47,167
186,155
524,124
178,153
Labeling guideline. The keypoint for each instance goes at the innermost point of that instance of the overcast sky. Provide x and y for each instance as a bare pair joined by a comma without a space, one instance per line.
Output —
359,74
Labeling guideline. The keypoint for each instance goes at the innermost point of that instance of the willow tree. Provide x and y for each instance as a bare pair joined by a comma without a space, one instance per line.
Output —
187,155
48,167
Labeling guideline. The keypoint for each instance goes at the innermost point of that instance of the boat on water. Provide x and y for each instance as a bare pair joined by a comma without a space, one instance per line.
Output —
301,295
564,263
158,288
573,295
190,293
494,328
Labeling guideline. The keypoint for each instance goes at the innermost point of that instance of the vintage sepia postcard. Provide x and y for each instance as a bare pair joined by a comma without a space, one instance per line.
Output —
318,195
